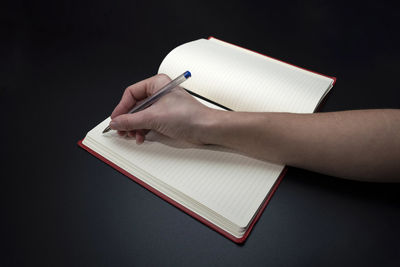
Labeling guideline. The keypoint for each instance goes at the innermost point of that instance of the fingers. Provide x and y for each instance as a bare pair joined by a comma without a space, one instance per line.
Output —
139,91
131,122
121,133
138,135
131,95
132,134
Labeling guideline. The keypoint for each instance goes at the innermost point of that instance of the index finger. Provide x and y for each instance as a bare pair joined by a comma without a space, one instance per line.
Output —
137,92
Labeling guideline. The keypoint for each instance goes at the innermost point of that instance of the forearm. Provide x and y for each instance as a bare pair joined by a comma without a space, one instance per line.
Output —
362,145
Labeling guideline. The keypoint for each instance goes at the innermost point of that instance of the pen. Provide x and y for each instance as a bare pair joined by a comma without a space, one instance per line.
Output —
163,91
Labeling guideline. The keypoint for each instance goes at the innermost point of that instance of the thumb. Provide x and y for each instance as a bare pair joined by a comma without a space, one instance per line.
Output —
130,122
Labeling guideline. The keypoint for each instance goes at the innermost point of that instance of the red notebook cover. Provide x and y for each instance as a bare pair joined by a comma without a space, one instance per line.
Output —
179,206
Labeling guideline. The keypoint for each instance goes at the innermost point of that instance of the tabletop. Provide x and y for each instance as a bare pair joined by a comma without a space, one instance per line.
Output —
64,67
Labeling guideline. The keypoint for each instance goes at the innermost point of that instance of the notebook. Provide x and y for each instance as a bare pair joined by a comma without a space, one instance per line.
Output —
223,189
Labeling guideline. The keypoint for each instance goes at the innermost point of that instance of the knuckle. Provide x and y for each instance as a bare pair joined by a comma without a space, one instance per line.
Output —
154,83
125,122
128,89
163,77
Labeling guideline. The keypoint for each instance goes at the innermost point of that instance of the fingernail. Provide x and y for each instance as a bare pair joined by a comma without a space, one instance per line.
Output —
113,124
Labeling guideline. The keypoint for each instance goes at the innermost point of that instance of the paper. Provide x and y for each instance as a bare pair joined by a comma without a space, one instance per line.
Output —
243,80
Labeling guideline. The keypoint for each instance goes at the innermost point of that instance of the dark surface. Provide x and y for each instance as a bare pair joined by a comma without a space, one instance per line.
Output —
64,66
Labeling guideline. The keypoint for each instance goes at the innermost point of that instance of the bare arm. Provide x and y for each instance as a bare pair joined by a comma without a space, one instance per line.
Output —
361,145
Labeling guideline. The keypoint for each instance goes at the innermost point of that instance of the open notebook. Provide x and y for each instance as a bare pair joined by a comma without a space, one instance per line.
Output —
224,189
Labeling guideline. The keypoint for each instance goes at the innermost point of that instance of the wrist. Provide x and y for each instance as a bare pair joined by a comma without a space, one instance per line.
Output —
211,128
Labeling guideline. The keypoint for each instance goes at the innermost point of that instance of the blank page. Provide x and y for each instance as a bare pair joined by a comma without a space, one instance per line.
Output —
243,80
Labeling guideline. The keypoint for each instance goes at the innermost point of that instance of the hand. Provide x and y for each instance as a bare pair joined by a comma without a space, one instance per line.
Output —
177,115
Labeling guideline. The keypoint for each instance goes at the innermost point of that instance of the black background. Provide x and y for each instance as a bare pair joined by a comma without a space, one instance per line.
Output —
64,65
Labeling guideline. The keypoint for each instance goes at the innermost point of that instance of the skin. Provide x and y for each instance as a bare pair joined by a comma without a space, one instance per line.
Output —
360,145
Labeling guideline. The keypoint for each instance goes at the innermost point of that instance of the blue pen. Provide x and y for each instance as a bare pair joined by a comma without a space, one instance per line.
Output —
163,91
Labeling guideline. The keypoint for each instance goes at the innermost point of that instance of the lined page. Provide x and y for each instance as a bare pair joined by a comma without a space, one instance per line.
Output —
243,80
210,179
226,182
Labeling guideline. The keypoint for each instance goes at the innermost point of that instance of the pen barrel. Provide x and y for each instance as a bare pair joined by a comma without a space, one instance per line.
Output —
174,83
163,91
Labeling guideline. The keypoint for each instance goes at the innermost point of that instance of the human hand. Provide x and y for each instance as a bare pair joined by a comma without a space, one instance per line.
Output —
177,115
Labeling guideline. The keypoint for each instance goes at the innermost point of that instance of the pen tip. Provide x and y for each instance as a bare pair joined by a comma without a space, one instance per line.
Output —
106,129
187,74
